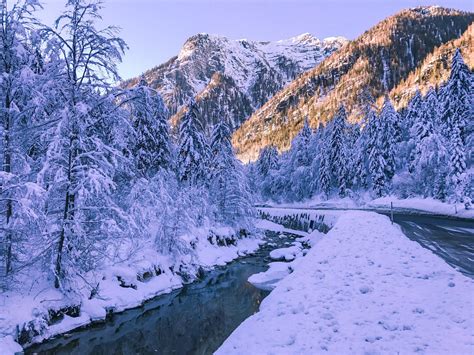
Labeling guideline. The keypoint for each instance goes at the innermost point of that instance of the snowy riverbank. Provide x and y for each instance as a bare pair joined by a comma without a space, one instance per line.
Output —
422,206
363,288
43,312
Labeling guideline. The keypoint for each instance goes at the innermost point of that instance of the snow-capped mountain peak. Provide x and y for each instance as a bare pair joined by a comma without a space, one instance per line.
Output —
253,70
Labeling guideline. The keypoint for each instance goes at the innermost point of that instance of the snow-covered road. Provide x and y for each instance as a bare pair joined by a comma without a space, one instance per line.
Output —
364,288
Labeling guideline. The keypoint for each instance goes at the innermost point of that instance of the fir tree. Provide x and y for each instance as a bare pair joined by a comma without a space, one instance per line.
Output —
337,149
267,160
151,146
228,188
193,150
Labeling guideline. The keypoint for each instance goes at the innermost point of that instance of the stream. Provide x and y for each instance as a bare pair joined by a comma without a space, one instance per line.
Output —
195,319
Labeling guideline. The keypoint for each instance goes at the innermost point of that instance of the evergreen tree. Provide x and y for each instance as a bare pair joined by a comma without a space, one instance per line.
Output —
457,113
267,160
337,150
229,189
151,146
324,177
457,98
193,150
387,137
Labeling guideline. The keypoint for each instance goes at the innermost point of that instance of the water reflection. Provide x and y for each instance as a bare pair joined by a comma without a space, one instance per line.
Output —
193,320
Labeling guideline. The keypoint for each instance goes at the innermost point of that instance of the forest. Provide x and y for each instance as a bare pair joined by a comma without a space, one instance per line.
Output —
91,175
423,150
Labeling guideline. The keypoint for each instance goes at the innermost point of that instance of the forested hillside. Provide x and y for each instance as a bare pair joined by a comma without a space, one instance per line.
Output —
376,62
423,151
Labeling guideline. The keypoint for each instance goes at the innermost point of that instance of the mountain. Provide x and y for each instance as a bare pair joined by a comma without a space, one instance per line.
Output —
435,68
230,79
378,61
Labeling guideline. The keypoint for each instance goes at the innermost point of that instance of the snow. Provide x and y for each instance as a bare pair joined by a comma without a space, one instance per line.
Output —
275,227
267,280
21,309
414,205
9,346
287,254
366,288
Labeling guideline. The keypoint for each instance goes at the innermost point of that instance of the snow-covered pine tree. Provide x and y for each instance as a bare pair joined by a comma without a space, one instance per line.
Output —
324,176
412,112
228,187
457,100
193,150
423,126
297,165
363,147
388,138
267,160
337,150
151,146
377,163
80,164
457,164
429,155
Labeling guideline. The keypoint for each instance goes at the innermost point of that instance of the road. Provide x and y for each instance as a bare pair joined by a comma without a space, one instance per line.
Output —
452,240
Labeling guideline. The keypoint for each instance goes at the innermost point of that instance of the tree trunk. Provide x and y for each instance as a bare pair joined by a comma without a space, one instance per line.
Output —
68,216
7,169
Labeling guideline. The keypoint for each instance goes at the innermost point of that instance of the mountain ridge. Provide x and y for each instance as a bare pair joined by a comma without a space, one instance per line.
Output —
254,71
380,59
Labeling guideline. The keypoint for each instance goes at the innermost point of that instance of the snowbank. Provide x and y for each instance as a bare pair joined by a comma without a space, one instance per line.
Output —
275,227
415,205
365,288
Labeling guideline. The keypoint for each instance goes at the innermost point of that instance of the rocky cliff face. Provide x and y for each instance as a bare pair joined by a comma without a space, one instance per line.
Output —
231,79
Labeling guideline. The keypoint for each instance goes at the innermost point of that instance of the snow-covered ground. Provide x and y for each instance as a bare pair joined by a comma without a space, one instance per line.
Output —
413,205
363,288
120,288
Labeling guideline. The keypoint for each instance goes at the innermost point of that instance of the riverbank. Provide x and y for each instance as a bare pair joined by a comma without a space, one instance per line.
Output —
415,206
36,311
364,288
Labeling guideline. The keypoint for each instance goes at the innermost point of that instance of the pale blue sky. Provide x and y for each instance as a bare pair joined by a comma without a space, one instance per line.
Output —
155,30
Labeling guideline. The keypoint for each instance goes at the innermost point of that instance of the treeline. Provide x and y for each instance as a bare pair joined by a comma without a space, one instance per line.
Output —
90,175
425,150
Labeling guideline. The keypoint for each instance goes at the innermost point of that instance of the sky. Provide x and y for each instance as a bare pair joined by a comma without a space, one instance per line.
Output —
155,30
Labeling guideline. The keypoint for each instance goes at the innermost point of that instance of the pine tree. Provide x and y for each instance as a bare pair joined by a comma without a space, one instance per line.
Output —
388,137
229,189
457,162
457,113
324,177
193,150
267,160
457,97
377,163
337,150
151,146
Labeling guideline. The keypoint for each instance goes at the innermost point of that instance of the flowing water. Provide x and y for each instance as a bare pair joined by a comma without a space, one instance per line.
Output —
195,319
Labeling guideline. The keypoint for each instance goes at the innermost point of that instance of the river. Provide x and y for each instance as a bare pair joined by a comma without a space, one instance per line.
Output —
197,318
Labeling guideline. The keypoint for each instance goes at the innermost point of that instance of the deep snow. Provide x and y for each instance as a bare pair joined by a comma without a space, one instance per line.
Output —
363,288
